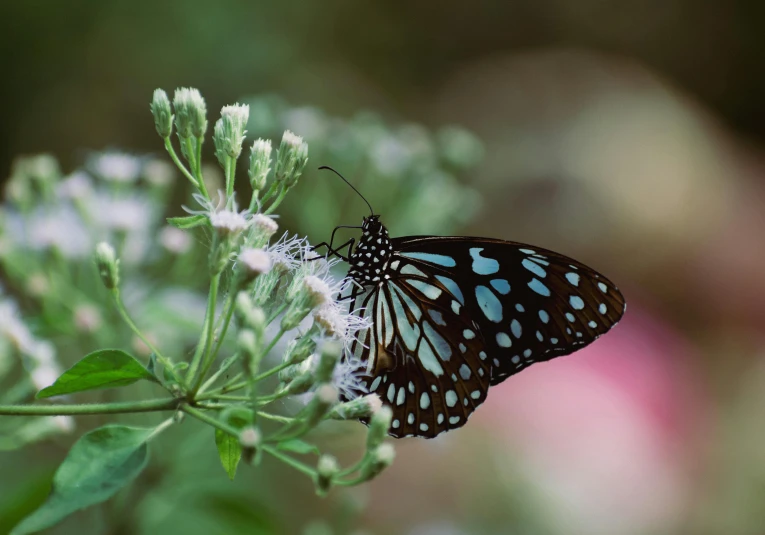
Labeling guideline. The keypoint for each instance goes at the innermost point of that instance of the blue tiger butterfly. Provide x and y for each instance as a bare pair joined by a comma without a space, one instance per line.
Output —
452,316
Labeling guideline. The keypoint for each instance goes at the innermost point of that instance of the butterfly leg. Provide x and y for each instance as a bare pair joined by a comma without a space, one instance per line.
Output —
336,251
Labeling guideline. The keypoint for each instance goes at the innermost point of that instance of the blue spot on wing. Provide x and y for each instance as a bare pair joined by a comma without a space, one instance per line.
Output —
539,287
452,287
438,259
489,304
501,285
483,265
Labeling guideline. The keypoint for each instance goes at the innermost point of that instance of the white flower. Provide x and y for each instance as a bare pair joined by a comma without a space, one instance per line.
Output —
334,320
44,376
13,329
76,186
174,239
348,377
131,213
224,216
264,225
291,139
319,292
117,167
255,261
87,318
159,173
285,253
59,228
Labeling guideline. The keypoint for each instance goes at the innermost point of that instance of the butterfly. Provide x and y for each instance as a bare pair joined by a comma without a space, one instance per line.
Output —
453,316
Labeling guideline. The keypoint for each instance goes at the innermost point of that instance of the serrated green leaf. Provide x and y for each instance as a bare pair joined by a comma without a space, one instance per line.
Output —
229,449
98,465
296,445
106,368
188,221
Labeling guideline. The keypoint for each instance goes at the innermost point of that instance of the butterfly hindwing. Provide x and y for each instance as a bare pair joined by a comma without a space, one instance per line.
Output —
425,357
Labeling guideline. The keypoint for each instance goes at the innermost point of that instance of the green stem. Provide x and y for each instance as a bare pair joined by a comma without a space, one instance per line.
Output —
166,363
149,405
243,384
204,417
277,201
229,306
223,369
294,463
195,374
179,164
198,174
230,177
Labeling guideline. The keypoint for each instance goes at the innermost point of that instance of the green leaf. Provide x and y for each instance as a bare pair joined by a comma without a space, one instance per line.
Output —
296,445
106,368
188,221
229,449
98,465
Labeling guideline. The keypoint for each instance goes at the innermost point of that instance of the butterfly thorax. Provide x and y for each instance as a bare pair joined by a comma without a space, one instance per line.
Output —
369,260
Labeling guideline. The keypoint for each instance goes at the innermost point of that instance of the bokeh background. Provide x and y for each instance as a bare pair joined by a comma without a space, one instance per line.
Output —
627,135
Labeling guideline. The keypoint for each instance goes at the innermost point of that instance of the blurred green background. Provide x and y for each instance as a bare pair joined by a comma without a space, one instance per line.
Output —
627,135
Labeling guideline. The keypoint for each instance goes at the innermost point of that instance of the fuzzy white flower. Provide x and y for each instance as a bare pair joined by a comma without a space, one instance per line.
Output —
255,261
125,213
174,240
76,186
87,318
224,215
58,228
117,167
264,225
159,173
13,329
319,292
348,377
334,320
286,252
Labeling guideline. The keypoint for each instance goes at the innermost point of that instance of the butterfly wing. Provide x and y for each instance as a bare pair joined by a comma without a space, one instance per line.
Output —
530,304
424,354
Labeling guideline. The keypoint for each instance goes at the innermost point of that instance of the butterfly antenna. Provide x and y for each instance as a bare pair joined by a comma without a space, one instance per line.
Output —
351,185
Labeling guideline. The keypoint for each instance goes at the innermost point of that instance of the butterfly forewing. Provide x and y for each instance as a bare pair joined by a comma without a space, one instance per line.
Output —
530,304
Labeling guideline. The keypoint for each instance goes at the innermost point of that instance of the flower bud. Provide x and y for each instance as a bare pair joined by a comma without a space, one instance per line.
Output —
253,262
380,458
299,350
250,439
330,354
229,131
326,470
190,112
262,228
108,265
291,158
260,163
289,373
323,400
378,427
313,292
163,114
300,384
361,407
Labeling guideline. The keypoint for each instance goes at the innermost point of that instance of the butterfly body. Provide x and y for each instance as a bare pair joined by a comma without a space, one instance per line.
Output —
453,316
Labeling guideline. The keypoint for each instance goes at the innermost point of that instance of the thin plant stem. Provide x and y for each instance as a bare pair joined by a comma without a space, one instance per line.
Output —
148,405
179,164
204,417
195,374
294,463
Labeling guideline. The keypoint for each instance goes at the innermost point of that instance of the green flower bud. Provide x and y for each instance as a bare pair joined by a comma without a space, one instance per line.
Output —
253,263
262,228
108,265
290,373
330,354
228,134
291,158
300,384
326,470
362,407
378,427
323,400
190,112
260,164
250,438
163,114
380,458
313,293
300,349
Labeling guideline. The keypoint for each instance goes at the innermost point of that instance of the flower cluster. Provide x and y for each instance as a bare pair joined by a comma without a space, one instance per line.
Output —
270,327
